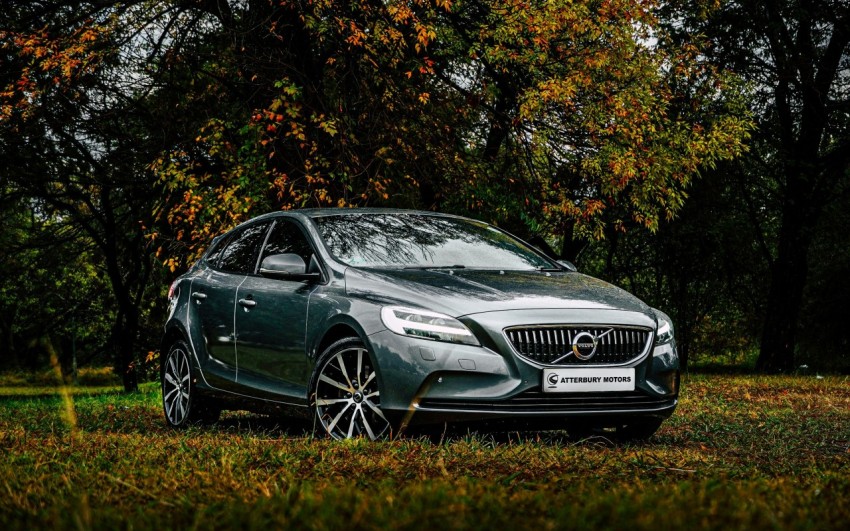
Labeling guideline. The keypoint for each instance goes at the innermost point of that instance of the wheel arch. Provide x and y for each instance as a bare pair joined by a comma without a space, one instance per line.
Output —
336,332
174,333
341,326
171,336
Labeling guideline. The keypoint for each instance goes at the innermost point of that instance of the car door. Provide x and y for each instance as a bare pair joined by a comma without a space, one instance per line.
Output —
271,321
213,295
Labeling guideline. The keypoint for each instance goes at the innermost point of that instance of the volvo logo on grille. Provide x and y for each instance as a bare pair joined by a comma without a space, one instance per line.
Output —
584,345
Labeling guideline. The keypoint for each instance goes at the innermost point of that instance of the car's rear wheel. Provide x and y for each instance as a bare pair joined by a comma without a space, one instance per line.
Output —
346,398
181,402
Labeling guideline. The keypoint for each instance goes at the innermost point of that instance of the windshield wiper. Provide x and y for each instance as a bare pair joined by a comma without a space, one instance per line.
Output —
436,267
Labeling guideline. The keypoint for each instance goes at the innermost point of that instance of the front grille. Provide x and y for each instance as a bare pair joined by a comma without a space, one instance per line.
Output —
553,345
537,401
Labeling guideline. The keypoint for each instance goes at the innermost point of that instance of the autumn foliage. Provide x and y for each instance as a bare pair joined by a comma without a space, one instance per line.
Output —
43,61
580,112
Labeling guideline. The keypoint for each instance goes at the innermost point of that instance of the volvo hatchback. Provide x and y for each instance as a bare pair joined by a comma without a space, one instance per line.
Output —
371,320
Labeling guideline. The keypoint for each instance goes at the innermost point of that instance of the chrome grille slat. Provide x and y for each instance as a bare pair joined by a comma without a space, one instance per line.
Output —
548,344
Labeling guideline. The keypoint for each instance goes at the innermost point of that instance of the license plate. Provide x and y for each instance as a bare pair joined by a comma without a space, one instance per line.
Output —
588,380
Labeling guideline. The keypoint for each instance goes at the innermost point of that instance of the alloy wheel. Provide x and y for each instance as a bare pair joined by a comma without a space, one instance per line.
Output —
176,386
347,397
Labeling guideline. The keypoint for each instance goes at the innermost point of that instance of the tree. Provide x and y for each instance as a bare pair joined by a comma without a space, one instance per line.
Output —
52,290
796,55
566,109
79,130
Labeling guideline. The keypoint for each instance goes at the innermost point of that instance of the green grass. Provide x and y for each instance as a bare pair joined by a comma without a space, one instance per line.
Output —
86,376
740,452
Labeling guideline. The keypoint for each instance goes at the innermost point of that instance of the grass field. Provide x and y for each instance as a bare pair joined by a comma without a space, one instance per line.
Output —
740,452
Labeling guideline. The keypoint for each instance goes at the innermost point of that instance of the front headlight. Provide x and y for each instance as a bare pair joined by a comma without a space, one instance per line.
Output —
664,333
426,325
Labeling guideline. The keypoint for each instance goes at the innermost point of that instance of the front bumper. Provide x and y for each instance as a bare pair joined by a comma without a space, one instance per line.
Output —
426,382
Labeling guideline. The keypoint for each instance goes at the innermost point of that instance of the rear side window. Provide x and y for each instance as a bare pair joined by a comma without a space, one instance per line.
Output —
215,251
240,255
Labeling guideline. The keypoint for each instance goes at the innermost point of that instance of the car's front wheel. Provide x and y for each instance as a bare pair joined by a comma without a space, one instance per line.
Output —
182,403
346,398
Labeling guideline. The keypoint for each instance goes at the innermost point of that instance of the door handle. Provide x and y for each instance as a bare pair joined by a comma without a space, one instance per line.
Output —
199,296
247,303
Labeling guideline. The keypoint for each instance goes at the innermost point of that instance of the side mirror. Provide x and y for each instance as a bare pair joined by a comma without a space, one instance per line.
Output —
566,264
287,266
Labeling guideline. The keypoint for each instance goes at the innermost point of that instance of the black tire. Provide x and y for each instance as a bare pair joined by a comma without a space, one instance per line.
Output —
182,404
345,397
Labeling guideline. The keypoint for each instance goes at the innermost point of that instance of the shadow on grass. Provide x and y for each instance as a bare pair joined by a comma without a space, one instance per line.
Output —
272,426
496,435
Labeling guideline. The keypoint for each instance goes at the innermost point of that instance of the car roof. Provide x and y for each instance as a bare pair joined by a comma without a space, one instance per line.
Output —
314,213
322,212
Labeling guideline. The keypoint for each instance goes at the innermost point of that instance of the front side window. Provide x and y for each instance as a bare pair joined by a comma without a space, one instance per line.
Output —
240,255
286,237
423,241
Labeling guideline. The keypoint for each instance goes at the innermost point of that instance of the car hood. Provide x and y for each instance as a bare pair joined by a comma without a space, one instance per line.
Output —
462,292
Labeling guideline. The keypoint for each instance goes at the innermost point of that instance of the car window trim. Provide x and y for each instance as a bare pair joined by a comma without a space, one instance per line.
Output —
272,225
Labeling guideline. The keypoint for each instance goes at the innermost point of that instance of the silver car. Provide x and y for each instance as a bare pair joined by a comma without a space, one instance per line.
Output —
368,321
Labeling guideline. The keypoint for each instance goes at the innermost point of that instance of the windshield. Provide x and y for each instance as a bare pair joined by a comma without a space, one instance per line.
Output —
423,241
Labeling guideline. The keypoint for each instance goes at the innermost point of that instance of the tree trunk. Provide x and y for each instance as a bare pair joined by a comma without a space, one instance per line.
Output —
123,342
571,247
500,122
785,298
684,322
